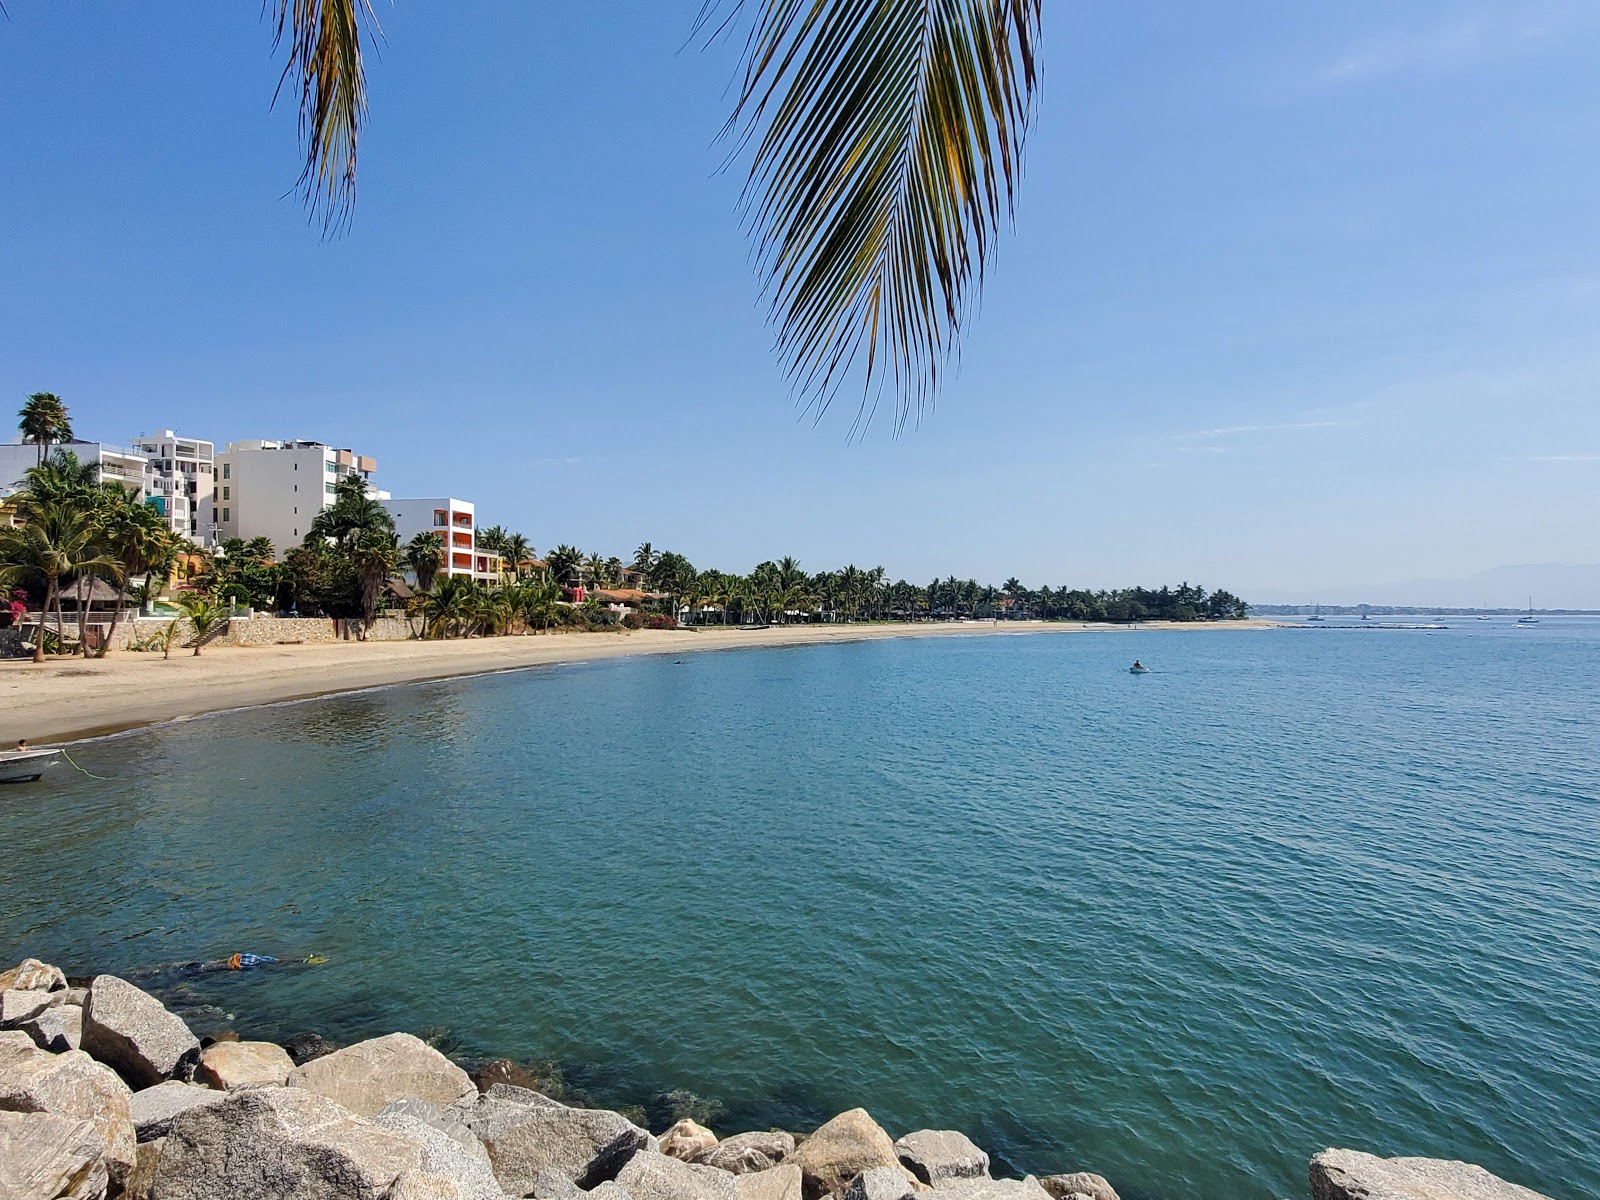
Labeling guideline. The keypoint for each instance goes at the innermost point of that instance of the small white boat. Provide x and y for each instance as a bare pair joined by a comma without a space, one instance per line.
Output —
24,766
1530,619
1138,670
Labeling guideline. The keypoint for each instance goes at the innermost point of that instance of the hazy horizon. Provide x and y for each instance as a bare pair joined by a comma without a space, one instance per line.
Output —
1299,303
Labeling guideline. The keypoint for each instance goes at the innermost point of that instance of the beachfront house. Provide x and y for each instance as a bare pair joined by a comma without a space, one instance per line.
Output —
117,464
274,489
456,522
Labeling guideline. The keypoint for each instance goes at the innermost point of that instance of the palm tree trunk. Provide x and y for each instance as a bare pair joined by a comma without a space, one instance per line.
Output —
44,610
116,615
83,616
60,621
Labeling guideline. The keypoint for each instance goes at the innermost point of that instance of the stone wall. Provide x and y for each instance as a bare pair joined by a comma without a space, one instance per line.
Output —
11,644
282,631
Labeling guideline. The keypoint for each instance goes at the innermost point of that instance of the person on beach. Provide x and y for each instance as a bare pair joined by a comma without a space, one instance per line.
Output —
22,745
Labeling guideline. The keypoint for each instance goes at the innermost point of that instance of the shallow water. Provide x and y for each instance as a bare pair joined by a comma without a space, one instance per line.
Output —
1295,889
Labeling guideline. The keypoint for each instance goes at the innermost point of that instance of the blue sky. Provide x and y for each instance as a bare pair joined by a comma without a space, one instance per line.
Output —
1300,301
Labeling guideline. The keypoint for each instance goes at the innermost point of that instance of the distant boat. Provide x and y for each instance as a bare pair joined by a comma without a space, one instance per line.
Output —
1138,669
1530,619
1317,616
24,766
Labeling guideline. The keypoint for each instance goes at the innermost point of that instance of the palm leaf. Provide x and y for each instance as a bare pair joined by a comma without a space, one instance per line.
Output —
323,38
887,140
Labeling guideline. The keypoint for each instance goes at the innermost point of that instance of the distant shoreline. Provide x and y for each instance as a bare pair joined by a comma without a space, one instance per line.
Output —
72,699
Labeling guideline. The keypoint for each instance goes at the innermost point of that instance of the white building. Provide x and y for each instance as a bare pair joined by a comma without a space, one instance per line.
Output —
275,489
116,463
178,481
456,522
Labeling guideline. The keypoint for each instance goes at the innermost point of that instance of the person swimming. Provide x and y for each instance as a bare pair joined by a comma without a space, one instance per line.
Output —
1139,666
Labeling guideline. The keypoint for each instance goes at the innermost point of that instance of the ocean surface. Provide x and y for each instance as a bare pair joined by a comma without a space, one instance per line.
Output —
1295,889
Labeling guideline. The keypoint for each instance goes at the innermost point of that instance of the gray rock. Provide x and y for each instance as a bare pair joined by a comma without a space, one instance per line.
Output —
843,1148
521,1095
609,1190
56,1029
746,1152
74,1086
1351,1175
46,1157
585,1145
880,1183
553,1185
367,1076
1078,1183
32,975
662,1177
281,1144
155,1109
936,1156
18,1005
775,1183
75,996
1026,1188
448,1121
228,1066
303,1047
450,1167
133,1033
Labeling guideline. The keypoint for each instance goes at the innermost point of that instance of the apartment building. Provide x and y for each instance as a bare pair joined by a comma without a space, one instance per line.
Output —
454,520
120,464
179,481
275,489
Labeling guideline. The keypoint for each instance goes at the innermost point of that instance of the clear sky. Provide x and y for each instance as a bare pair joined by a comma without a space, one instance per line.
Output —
1300,299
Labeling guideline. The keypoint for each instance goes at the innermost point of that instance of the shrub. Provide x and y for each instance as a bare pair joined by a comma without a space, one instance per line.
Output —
632,621
658,621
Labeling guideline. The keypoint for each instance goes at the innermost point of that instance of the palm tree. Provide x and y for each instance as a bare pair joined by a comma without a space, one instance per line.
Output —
375,558
644,558
566,564
260,550
424,554
204,615
138,536
517,550
44,420
58,539
886,147
351,516
449,606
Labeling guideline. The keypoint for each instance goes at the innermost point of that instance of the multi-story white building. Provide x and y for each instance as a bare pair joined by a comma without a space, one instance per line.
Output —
178,481
275,489
456,522
116,463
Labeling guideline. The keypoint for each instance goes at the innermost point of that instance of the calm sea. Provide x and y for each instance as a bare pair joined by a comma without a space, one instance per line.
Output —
1296,889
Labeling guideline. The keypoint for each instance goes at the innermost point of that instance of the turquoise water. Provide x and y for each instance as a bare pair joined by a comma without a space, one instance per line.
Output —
1297,888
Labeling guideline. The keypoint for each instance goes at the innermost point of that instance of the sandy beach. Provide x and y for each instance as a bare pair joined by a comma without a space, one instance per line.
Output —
64,699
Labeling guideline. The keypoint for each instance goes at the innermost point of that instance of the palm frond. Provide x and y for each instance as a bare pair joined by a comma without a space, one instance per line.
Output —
887,139
323,38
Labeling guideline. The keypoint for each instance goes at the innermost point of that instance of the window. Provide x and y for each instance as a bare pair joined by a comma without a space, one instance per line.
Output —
227,470
297,487
225,492
440,518
297,510
227,515
330,489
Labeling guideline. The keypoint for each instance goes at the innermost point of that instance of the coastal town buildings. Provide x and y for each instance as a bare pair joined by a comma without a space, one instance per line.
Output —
178,481
275,489
456,522
117,464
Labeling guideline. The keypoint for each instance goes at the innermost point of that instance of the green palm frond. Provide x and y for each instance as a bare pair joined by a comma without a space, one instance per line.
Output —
323,38
887,139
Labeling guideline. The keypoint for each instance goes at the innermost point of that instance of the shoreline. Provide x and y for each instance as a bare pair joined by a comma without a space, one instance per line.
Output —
71,700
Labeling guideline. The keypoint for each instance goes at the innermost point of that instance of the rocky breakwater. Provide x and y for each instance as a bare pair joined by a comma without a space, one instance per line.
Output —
104,1095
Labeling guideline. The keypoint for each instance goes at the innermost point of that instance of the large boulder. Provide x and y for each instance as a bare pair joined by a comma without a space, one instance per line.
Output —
74,1086
688,1140
32,975
843,1148
585,1145
936,1156
746,1152
1078,1183
880,1183
448,1121
1352,1175
142,1183
367,1076
994,1189
228,1066
451,1169
22,1004
660,1177
303,1047
155,1109
775,1183
57,1029
46,1157
281,1144
133,1033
